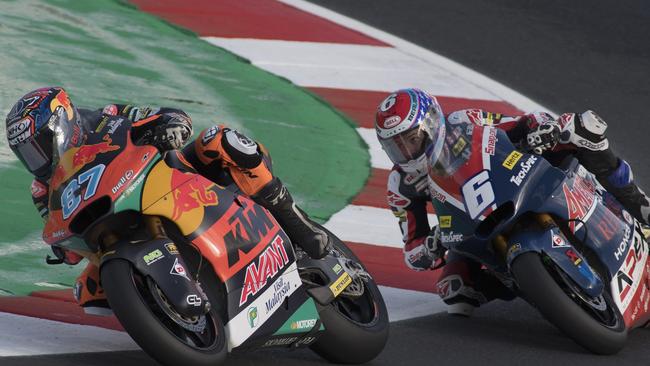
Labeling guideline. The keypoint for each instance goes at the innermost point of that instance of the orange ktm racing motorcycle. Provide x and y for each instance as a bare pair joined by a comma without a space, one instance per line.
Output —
193,270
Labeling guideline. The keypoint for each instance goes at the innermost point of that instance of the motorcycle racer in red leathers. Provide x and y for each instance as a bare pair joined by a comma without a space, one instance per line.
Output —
399,124
221,154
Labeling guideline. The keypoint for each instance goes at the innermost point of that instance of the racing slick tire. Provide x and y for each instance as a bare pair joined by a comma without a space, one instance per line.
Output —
542,290
158,336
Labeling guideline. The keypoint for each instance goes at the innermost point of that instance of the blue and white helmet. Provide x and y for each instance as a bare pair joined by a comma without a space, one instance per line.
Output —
410,126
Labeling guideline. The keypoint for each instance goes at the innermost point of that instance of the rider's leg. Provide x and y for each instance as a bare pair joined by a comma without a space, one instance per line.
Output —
89,293
249,165
612,172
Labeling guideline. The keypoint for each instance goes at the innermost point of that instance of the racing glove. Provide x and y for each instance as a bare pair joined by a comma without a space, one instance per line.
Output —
543,137
425,254
63,256
171,136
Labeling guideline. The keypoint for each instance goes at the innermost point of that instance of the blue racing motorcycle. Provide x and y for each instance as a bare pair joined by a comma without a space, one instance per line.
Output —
560,240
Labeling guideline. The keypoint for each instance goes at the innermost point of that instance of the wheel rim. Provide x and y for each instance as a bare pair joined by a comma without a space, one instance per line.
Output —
361,310
599,308
175,324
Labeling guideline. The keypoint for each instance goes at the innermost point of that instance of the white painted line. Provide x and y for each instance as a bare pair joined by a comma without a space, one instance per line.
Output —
503,92
348,66
378,158
26,336
406,304
33,336
369,225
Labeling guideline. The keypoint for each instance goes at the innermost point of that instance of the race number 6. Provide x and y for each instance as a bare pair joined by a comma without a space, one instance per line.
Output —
478,194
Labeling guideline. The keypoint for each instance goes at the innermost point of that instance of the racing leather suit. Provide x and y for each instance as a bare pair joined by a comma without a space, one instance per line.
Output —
462,280
220,154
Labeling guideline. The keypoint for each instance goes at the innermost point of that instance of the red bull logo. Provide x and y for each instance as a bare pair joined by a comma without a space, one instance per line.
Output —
192,195
87,153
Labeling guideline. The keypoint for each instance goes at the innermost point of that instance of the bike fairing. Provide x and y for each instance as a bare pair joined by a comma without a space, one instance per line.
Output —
483,182
104,174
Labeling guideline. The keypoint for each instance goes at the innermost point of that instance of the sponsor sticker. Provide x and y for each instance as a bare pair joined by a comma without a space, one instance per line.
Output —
123,179
445,221
459,146
194,300
179,270
171,248
339,285
523,172
253,317
210,134
337,269
450,237
266,266
558,242
392,121
512,159
153,257
303,324
114,125
491,142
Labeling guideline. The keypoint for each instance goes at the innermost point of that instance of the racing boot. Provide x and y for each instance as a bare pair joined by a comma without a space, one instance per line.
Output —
301,230
620,183
89,293
464,286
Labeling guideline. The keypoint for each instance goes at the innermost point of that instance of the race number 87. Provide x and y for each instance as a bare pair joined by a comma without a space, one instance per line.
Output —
478,194
70,200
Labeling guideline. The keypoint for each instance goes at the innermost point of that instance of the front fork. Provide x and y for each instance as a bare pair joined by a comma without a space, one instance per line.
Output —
159,259
562,254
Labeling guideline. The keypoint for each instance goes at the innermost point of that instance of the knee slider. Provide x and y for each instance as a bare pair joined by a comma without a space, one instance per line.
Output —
242,150
590,132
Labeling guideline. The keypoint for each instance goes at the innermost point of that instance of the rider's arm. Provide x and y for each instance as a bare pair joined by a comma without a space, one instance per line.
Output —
166,128
40,197
516,127
411,212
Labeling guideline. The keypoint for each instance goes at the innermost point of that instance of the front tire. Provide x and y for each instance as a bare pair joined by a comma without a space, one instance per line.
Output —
128,294
356,330
542,290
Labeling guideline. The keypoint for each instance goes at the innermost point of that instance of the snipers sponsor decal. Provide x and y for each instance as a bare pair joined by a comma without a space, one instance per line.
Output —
267,265
239,329
523,172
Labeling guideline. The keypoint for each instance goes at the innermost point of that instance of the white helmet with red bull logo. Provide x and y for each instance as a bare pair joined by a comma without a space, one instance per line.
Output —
410,126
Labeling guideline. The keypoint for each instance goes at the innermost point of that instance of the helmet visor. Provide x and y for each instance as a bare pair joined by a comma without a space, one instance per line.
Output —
36,153
406,146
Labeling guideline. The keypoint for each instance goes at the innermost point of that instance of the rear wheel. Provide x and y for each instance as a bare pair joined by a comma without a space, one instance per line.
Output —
356,327
594,323
155,326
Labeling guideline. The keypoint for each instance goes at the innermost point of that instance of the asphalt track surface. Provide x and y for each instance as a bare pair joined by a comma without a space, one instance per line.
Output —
568,56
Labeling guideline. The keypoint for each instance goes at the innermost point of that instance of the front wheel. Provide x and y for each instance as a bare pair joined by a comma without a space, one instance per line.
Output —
596,324
356,327
155,326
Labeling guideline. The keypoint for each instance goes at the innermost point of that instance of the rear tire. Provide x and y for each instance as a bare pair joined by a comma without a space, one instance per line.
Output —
152,331
347,341
543,291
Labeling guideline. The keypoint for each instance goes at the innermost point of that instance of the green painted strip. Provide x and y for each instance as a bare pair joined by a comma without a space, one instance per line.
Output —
105,51
302,321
